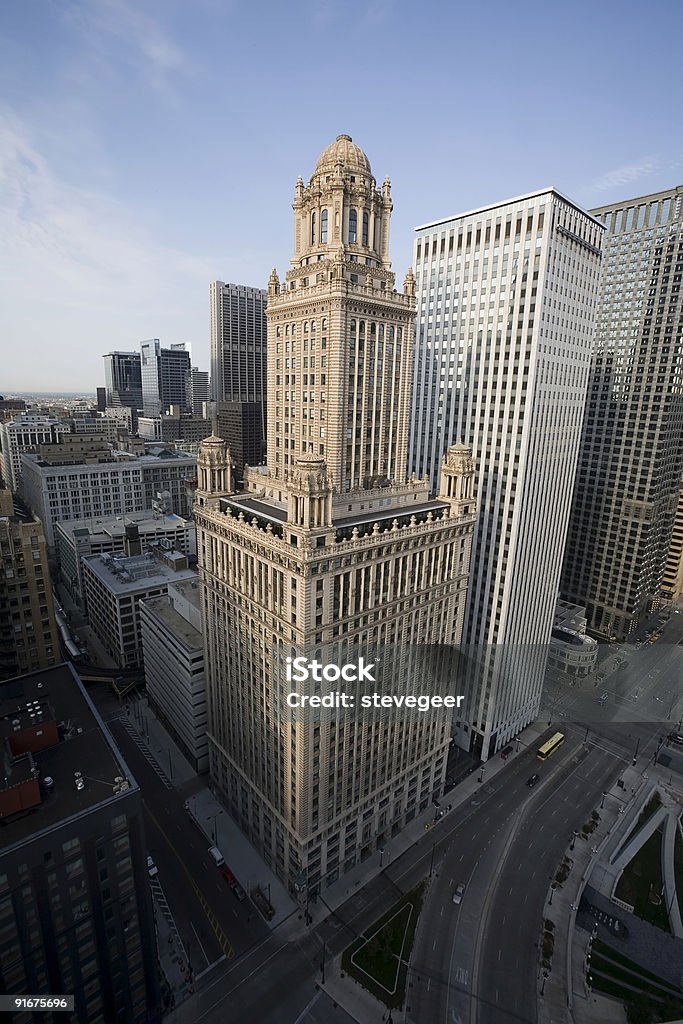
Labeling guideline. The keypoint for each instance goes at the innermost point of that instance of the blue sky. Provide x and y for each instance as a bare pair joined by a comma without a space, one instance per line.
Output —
147,148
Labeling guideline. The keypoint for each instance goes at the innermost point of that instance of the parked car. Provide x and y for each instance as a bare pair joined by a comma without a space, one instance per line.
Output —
531,782
152,869
505,753
603,698
459,893
235,886
676,738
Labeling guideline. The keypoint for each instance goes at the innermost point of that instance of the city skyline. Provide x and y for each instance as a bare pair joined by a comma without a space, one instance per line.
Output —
119,224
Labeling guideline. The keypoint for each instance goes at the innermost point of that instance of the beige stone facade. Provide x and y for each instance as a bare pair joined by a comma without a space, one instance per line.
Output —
330,544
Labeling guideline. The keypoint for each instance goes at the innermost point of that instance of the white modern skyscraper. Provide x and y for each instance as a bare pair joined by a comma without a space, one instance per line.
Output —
506,304
332,544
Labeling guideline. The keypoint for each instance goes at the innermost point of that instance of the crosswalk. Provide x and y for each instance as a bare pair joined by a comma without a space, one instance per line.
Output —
139,742
162,903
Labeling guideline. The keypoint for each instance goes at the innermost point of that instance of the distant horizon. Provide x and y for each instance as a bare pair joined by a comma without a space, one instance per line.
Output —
139,165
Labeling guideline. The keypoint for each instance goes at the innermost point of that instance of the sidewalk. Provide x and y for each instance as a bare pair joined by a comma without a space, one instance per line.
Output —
557,1002
207,812
564,995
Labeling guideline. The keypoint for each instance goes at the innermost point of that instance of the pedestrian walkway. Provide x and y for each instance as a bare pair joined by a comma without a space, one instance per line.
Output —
246,864
564,995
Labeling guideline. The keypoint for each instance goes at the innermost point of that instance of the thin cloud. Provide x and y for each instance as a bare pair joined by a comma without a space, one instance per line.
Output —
625,175
146,42
80,259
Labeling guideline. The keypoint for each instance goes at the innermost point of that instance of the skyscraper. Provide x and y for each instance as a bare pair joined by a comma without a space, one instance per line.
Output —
631,457
238,367
165,377
506,300
200,393
330,543
238,342
123,381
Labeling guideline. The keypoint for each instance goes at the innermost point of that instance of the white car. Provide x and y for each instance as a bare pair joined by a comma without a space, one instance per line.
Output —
152,869
459,893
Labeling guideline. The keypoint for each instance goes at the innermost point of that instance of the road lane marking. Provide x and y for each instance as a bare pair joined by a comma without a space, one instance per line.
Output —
200,942
304,1012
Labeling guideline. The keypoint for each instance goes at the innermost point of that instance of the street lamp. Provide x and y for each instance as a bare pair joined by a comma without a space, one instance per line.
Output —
602,802
572,839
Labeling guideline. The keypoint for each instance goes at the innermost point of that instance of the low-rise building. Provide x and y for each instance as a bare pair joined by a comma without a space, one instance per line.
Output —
75,898
173,650
571,651
24,434
126,484
129,534
114,585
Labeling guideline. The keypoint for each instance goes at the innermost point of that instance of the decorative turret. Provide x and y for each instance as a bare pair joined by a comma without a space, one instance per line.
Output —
409,283
310,494
214,471
457,479
274,282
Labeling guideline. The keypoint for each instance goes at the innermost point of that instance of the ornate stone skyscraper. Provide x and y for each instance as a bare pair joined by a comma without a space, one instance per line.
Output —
330,544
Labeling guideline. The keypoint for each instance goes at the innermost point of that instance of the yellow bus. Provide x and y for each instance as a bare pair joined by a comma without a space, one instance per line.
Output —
544,752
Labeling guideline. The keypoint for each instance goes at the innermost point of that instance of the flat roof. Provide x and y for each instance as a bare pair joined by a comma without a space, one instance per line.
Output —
146,521
508,202
85,745
122,575
120,459
183,630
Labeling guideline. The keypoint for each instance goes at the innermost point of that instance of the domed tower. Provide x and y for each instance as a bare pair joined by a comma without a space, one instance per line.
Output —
341,208
214,471
340,337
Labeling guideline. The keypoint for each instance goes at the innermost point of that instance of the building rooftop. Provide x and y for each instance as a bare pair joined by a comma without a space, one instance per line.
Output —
176,623
147,521
509,202
50,731
150,458
122,575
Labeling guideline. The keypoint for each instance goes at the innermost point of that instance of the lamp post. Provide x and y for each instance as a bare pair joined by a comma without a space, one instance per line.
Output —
602,802
572,839
431,861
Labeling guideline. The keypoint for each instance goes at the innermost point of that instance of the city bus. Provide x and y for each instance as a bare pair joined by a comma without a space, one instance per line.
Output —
544,752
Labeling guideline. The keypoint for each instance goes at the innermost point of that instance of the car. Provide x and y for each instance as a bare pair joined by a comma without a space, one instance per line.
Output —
235,886
459,893
152,869
677,738
531,782
603,698
505,753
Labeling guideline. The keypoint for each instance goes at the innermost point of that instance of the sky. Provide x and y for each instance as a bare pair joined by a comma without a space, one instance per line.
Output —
148,148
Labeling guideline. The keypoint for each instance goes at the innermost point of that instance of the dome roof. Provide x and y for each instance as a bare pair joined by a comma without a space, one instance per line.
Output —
343,150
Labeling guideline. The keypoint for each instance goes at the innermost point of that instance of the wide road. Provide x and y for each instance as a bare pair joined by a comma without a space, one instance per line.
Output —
476,963
275,981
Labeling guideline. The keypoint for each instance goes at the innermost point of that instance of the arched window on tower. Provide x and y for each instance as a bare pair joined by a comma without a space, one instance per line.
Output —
353,226
323,227
313,229
365,227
